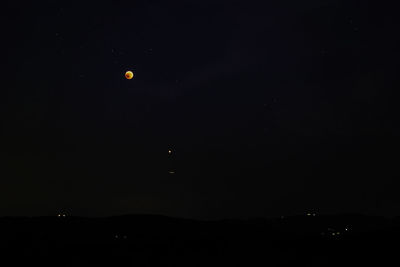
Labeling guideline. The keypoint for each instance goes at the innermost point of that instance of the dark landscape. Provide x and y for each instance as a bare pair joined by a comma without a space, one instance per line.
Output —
150,240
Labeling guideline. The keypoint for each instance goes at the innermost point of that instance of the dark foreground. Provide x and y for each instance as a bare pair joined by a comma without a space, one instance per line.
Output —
143,240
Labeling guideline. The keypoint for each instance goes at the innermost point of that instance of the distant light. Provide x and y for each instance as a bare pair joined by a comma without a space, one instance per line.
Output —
171,172
116,236
313,214
64,215
338,233
308,214
333,234
58,215
170,152
346,229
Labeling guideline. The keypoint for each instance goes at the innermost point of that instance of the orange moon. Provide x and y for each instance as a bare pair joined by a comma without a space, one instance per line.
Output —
129,74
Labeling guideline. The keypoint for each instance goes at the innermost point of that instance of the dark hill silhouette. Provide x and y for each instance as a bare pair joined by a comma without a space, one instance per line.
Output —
153,240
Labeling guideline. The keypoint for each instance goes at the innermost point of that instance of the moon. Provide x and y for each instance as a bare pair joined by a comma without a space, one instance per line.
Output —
129,75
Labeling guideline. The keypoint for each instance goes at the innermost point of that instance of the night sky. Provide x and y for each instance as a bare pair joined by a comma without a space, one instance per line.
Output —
269,108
